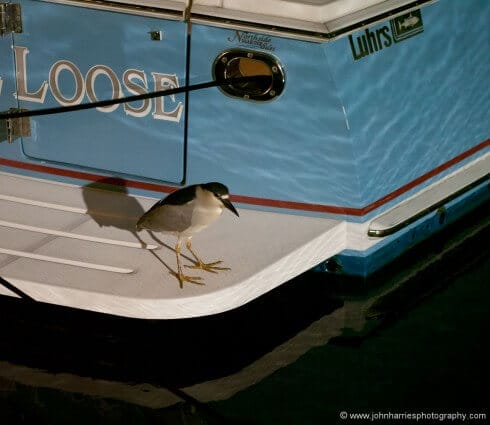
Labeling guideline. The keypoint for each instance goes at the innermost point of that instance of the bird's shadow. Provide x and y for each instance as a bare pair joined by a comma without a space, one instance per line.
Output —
109,204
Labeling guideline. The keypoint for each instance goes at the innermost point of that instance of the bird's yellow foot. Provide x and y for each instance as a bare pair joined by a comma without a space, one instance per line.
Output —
181,277
209,267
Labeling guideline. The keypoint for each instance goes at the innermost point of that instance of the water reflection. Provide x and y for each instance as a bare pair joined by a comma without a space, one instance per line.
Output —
169,353
146,361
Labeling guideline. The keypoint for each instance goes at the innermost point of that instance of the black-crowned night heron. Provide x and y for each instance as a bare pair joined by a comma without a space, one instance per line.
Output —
184,213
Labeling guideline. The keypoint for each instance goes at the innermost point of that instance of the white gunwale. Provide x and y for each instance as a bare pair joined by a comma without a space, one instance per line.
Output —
311,20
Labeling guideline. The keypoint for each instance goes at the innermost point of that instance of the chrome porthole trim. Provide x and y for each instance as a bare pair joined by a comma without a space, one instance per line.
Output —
238,64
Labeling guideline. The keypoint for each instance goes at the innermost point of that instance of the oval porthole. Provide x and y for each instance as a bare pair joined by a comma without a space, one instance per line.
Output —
249,75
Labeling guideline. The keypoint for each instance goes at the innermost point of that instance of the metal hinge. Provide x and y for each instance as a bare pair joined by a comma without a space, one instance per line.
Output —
10,18
15,127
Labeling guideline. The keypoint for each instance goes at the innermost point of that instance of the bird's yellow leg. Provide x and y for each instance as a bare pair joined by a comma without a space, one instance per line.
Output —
181,276
199,264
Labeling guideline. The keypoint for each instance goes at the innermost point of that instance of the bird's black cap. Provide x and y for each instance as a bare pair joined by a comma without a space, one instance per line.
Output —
216,187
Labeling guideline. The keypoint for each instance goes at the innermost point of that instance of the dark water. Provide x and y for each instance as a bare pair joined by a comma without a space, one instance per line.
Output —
412,339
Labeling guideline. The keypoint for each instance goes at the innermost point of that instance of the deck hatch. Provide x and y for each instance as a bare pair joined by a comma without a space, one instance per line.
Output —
238,64
139,139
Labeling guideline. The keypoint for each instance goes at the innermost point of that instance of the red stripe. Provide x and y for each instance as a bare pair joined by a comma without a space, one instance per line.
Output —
275,203
81,175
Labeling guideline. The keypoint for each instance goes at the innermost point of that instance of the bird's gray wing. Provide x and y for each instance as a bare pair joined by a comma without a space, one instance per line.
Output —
168,218
179,197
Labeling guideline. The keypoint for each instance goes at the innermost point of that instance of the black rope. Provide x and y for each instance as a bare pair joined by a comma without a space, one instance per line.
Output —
102,103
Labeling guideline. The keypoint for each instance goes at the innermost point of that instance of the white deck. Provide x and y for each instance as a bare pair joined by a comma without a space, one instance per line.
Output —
76,247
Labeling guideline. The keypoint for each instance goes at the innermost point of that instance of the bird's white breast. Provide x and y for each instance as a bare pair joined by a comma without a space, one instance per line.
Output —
203,216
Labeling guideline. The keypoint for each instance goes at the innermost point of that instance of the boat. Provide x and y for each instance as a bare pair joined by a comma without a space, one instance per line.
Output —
347,133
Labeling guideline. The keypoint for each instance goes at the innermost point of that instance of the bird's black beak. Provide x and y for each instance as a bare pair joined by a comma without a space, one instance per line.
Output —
229,205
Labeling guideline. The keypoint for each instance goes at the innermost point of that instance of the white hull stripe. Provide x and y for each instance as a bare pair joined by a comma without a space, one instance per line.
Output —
83,264
75,235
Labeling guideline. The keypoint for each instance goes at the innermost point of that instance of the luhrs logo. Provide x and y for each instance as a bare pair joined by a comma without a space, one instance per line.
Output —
400,28
133,80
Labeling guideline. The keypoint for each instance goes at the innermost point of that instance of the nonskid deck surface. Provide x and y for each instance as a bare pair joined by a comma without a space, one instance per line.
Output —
76,246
